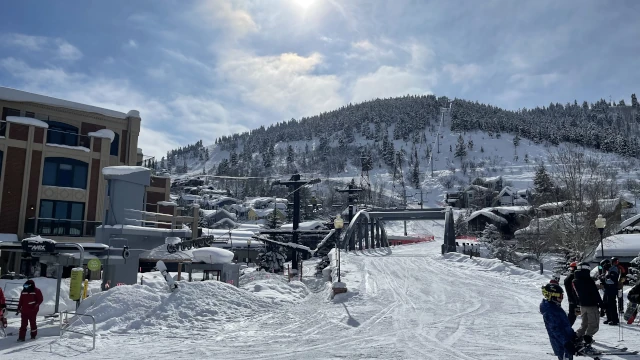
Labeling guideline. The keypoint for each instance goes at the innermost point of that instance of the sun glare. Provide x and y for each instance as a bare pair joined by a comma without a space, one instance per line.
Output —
304,3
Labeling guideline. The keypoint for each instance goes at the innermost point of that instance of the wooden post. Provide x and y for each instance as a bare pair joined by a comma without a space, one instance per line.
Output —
179,270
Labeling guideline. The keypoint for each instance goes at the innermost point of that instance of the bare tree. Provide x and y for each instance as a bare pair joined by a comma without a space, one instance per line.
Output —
586,181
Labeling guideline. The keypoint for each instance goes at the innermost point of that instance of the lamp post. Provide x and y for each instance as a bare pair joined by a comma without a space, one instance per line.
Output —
338,223
248,251
600,224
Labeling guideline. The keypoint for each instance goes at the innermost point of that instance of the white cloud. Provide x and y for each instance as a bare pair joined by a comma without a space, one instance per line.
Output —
390,81
284,83
225,16
34,43
67,51
527,81
59,48
131,44
364,49
462,73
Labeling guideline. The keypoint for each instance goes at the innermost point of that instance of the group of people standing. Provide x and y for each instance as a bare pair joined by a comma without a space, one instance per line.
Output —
584,299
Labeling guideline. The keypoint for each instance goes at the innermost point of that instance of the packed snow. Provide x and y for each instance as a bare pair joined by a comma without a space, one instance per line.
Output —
122,170
27,121
103,133
405,302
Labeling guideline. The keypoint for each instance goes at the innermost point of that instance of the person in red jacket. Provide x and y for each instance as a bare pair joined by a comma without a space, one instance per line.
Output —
28,306
3,309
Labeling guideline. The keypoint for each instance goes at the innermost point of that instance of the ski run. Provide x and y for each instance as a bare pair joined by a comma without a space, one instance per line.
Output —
404,302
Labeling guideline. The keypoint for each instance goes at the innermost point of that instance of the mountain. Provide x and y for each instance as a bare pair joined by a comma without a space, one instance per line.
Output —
399,135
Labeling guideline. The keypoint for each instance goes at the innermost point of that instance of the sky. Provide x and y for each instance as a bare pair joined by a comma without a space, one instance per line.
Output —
200,69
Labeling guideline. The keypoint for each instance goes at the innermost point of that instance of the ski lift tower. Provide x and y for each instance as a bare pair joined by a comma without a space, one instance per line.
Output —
365,183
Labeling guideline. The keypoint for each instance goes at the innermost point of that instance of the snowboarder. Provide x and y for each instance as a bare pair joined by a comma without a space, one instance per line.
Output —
574,308
589,300
561,335
28,307
3,309
611,294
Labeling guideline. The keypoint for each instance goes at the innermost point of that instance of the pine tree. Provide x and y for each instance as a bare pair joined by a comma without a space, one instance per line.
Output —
450,148
206,154
162,163
495,244
470,145
481,149
526,158
542,184
621,103
634,100
290,155
415,175
516,140
461,148
461,227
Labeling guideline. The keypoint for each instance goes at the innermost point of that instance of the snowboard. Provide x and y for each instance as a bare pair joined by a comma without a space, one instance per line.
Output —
163,270
631,312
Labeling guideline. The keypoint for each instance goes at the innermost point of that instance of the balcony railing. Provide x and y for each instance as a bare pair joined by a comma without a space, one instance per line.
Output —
61,227
67,138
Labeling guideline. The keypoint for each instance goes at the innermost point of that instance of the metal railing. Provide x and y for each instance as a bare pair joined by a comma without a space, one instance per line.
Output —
65,325
61,227
68,138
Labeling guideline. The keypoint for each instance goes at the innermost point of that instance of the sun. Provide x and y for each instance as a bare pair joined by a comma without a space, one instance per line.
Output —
304,3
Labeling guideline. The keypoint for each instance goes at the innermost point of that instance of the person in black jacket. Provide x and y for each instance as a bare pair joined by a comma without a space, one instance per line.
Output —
611,294
589,300
634,294
571,294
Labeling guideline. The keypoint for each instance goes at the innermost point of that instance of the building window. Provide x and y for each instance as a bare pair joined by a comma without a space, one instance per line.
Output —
62,134
30,114
115,145
61,218
7,112
64,172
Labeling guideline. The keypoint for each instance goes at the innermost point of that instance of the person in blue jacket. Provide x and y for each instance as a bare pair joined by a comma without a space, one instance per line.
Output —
556,321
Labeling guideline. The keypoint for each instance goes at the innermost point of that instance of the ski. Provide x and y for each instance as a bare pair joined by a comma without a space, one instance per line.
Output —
612,347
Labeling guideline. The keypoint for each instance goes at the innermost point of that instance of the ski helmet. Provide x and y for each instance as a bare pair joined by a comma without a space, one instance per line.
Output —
584,266
553,292
605,264
573,266
555,279
615,261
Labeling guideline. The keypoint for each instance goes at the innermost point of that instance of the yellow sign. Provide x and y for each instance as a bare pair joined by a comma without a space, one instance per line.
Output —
84,290
94,265
75,284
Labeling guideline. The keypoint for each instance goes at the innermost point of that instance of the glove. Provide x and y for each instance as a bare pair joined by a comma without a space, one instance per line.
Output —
570,347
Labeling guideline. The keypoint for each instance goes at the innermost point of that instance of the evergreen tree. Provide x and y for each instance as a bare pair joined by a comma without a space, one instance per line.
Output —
162,163
450,148
543,185
516,140
470,145
481,148
461,227
206,154
415,175
634,100
461,148
494,243
233,159
290,155
621,103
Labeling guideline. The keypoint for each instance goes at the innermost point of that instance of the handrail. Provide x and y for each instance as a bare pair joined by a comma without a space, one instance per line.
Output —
65,325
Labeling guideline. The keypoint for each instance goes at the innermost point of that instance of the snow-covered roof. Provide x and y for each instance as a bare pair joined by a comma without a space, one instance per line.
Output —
23,96
553,205
38,238
167,203
264,212
226,222
306,225
189,197
8,237
488,214
507,190
559,221
139,151
81,148
27,121
103,133
620,245
122,170
133,113
161,253
476,188
210,213
492,179
512,209
629,222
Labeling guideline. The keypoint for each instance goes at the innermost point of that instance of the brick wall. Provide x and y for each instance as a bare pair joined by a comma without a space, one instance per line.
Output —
34,182
38,135
19,131
97,144
93,190
12,190
153,197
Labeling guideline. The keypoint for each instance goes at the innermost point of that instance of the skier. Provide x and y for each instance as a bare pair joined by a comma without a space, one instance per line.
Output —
3,309
561,335
621,280
602,272
610,295
632,308
574,308
28,307
589,300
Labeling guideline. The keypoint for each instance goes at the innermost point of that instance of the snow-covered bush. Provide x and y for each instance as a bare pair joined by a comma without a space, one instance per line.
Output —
495,244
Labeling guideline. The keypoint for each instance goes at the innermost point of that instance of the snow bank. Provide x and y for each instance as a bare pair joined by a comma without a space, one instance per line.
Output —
27,121
194,306
122,170
273,287
103,133
495,265
212,255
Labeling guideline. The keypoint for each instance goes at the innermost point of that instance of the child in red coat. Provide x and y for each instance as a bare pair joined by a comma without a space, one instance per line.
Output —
29,305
